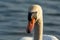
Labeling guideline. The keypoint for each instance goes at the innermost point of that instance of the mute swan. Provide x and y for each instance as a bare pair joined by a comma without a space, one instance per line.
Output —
35,17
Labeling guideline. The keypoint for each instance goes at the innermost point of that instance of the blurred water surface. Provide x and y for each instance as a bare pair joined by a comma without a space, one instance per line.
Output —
13,18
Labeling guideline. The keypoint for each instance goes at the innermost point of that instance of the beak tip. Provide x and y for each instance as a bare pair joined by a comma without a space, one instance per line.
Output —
28,31
30,25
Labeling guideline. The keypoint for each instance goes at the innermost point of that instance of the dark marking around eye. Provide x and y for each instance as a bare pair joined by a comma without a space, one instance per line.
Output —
29,16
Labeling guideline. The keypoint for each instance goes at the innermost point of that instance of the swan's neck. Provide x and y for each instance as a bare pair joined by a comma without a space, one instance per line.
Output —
38,30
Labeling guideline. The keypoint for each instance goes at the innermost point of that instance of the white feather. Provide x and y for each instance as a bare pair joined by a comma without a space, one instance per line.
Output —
45,37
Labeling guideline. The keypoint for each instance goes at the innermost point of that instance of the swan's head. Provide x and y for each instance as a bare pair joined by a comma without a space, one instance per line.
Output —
34,13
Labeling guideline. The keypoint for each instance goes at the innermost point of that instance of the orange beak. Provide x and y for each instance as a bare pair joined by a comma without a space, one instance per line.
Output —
30,25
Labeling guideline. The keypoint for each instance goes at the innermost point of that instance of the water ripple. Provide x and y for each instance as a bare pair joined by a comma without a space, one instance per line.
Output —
15,33
53,32
53,14
51,24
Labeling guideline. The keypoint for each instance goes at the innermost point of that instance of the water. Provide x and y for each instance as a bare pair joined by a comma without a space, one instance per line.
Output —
13,18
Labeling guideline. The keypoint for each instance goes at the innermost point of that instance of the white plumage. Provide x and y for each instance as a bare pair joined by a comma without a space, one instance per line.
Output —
45,37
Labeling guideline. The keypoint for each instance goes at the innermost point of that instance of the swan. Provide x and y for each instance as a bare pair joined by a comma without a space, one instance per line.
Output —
35,20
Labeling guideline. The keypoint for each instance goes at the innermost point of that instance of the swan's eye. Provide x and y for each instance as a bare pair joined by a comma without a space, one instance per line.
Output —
34,12
31,14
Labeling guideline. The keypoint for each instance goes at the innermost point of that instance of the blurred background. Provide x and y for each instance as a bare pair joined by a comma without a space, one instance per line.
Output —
13,18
